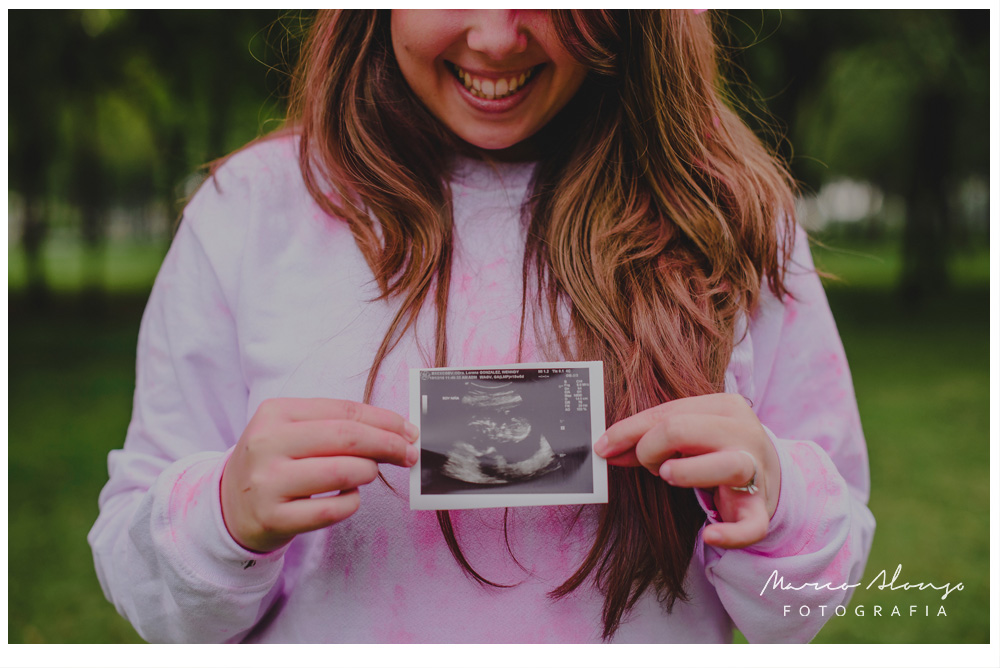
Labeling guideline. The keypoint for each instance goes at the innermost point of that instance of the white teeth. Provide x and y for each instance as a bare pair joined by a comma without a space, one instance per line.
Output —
491,89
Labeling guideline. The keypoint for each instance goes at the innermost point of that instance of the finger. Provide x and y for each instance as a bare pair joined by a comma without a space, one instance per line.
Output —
725,467
301,515
625,434
302,410
327,438
688,435
319,475
750,528
627,458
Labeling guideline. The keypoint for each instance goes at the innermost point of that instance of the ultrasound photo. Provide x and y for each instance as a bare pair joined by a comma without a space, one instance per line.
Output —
508,436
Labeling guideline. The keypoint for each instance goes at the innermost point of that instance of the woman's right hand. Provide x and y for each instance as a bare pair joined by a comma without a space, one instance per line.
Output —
295,449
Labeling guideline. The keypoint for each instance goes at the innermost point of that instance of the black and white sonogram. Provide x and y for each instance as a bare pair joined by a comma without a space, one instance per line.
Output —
508,436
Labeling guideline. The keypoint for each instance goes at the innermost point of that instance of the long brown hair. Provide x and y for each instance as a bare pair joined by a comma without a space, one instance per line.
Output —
655,216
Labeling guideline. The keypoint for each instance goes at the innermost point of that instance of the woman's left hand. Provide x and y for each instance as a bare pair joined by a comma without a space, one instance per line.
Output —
703,442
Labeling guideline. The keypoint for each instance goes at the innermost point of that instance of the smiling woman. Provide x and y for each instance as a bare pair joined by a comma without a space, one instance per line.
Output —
427,207
493,77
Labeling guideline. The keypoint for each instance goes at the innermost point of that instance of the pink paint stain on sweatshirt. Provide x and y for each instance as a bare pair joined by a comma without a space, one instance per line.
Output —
186,496
425,536
480,353
466,284
380,546
791,312
836,365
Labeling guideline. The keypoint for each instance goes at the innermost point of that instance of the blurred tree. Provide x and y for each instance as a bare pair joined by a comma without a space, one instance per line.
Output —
32,117
203,82
122,106
896,98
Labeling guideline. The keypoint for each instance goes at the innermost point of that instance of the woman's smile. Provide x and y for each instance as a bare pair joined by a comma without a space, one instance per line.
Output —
492,87
493,77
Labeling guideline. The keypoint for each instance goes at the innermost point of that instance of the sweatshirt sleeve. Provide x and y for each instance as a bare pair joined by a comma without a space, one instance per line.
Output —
799,383
161,549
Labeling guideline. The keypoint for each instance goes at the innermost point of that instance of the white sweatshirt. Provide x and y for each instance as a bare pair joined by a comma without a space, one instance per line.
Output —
263,295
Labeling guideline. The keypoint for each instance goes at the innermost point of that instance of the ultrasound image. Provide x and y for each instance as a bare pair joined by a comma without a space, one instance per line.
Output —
505,431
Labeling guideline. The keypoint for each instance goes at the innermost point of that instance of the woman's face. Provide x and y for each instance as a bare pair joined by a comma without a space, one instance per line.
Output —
493,77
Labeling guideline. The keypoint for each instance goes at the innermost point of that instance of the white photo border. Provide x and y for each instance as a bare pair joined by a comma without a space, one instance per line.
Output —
599,466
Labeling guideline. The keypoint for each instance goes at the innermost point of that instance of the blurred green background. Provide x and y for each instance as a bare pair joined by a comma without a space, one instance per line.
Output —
883,115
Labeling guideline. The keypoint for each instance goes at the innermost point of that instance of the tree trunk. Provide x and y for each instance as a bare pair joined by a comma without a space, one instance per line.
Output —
927,232
91,196
33,233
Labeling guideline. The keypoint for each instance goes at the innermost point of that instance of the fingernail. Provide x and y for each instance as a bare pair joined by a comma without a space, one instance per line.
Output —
665,472
601,446
412,455
411,431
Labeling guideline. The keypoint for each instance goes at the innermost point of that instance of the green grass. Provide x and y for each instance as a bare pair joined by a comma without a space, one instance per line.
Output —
71,375
921,377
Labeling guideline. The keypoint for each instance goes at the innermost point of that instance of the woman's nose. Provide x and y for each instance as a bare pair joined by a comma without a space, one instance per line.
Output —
497,33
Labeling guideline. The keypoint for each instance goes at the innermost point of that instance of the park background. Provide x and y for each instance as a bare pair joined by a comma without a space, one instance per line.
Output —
883,116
